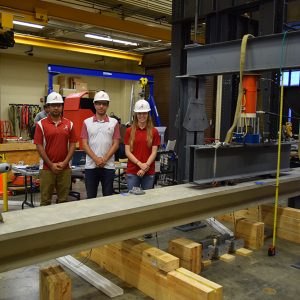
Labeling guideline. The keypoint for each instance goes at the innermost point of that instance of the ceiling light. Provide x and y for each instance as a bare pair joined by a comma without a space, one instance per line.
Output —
109,39
28,24
98,37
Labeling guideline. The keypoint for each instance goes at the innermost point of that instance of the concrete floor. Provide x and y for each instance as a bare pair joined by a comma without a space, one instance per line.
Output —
254,277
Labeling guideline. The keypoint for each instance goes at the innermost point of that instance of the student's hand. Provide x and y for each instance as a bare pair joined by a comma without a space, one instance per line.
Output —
100,162
144,167
55,168
104,161
140,173
61,165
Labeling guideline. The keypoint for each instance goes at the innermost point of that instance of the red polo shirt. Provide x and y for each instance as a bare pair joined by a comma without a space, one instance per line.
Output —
140,150
55,138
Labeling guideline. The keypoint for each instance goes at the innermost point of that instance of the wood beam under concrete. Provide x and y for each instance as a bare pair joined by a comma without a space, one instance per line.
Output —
35,235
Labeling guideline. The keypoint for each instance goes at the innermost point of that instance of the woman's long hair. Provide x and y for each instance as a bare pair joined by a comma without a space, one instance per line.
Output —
134,126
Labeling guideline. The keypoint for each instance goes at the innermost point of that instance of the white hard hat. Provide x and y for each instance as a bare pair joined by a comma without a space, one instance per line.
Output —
142,106
54,98
101,96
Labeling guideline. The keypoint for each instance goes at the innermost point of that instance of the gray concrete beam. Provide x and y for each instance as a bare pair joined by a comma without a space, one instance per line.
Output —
34,235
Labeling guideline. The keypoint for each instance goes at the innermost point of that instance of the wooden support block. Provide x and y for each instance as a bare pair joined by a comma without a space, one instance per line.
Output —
182,287
148,254
127,267
218,288
184,284
251,213
55,284
206,263
244,252
189,253
252,232
161,286
227,257
137,271
288,222
286,211
163,261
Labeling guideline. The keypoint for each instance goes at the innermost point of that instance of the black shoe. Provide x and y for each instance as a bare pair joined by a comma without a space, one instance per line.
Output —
148,236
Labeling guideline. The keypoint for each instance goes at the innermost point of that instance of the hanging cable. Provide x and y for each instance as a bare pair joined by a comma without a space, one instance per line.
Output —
241,90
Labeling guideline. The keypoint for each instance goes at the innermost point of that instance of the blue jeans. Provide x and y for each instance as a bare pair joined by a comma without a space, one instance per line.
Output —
146,182
94,176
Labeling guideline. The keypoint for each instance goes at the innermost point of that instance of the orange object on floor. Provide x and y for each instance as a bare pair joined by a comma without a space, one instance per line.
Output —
1,187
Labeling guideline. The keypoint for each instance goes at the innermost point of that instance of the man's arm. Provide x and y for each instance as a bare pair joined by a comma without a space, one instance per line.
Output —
90,153
152,157
63,164
112,150
114,147
54,167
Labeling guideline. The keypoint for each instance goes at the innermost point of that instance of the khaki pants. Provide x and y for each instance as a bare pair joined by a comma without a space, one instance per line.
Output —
61,182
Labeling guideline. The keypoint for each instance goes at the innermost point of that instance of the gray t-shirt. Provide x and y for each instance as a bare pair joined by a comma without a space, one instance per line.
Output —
41,115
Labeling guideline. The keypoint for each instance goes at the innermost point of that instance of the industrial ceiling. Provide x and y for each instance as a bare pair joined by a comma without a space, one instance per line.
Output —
141,26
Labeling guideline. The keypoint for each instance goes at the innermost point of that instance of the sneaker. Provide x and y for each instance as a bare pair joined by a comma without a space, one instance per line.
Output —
137,191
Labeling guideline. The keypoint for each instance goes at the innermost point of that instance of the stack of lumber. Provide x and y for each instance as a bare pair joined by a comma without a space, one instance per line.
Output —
186,285
55,284
188,252
251,213
251,231
288,221
154,272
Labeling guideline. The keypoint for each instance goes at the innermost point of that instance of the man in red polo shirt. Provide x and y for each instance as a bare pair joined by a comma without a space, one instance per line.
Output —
55,141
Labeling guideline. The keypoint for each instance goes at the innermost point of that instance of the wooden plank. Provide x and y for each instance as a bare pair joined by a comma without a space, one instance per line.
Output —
17,147
288,235
161,286
283,222
148,254
286,211
55,284
243,252
227,257
127,267
288,222
206,263
181,287
30,236
92,277
217,287
251,213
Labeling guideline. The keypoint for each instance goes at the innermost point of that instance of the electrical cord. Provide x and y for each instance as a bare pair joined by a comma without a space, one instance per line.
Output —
284,116
241,91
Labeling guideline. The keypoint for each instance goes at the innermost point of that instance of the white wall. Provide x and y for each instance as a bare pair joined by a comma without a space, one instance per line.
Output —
23,77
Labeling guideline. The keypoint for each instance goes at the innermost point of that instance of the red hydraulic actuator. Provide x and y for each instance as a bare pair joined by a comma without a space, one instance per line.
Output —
250,96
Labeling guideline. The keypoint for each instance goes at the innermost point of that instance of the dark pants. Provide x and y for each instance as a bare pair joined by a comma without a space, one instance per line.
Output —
94,176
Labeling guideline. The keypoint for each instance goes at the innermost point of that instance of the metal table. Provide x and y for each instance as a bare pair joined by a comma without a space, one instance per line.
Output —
23,170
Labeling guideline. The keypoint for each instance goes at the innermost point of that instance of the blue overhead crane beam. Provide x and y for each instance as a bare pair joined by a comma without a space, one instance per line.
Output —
54,70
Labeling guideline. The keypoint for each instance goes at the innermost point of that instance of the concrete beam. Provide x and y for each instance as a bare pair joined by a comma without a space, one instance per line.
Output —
35,235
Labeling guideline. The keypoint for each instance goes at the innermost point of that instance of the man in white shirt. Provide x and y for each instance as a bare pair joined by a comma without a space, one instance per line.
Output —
100,140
